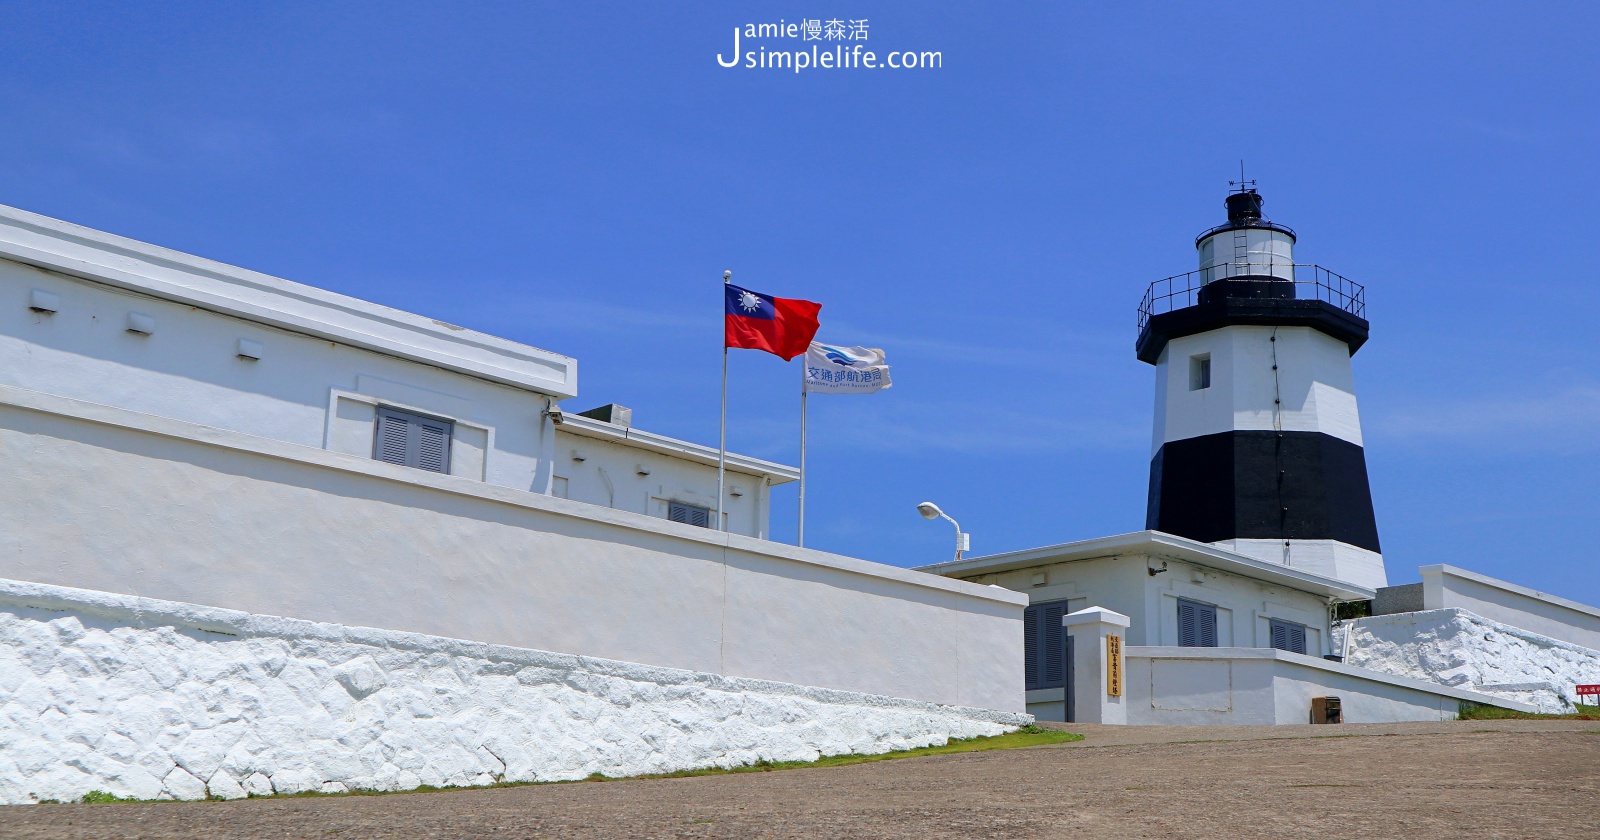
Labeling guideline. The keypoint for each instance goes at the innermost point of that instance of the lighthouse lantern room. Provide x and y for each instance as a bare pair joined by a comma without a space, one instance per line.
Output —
1257,444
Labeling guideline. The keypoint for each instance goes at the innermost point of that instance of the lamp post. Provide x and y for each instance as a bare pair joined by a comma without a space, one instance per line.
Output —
931,511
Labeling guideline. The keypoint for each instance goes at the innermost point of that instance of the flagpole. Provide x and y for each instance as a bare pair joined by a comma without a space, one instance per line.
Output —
802,540
722,440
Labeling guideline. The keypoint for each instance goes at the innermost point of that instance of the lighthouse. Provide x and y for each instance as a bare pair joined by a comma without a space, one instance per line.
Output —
1257,445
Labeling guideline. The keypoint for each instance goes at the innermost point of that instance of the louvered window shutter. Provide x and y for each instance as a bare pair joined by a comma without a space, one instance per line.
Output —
1289,636
689,514
433,446
1030,647
1044,645
391,443
1208,626
412,440
1188,624
1055,644
1197,624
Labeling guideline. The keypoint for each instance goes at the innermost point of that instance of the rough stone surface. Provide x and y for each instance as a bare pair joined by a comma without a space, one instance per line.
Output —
1472,780
1459,648
155,699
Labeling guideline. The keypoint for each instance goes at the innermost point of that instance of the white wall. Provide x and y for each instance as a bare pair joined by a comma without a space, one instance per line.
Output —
1459,648
303,390
103,498
312,391
1447,587
1267,251
1314,377
1328,558
608,473
155,699
1124,584
1211,686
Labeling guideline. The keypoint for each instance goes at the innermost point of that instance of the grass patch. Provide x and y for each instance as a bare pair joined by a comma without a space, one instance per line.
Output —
1027,736
1477,711
100,797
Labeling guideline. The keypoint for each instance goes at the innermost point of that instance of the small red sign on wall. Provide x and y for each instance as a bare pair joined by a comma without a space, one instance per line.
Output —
1589,691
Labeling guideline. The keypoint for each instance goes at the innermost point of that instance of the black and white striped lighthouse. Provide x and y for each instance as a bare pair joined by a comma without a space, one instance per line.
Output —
1257,439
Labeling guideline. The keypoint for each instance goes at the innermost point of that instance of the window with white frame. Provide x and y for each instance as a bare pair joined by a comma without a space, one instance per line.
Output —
1197,624
412,440
1288,635
1200,372
689,514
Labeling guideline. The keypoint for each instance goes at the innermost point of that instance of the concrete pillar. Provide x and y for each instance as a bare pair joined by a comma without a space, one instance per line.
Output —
1091,694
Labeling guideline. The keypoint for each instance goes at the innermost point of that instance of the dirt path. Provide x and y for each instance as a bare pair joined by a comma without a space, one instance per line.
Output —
1479,779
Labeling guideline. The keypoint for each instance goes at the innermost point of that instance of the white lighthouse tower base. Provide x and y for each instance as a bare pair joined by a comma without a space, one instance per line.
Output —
1329,558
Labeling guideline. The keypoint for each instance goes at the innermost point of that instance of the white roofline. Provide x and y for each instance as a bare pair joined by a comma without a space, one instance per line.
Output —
627,436
1159,545
66,248
1464,574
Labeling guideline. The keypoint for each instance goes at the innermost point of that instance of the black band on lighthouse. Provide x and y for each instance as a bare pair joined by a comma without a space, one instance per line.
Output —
1262,485
1241,303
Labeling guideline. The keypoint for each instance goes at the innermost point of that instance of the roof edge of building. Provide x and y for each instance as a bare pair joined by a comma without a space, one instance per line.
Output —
661,444
1155,544
97,256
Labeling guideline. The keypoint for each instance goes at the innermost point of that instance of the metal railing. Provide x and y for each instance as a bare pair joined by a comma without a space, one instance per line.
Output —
1310,282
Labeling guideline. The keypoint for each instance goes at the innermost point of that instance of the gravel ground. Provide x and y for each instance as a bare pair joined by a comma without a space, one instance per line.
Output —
1474,778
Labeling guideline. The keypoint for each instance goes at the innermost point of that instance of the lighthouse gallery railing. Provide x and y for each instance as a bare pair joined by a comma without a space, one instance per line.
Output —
1311,282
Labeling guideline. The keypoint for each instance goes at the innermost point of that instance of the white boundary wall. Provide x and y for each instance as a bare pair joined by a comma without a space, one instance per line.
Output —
1448,587
1457,648
155,699
1191,686
108,499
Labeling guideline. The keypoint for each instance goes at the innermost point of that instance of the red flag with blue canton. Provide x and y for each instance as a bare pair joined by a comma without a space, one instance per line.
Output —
781,326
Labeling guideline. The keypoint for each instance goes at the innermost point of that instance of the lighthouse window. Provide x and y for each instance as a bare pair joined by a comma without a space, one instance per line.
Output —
1200,372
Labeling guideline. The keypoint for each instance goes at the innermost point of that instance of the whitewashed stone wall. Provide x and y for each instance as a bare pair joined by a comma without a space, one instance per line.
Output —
1458,648
157,699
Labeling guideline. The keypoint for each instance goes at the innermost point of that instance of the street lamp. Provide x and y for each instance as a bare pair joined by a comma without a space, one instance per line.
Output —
931,511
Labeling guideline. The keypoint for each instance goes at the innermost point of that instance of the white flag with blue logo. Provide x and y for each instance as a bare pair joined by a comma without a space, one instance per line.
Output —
845,370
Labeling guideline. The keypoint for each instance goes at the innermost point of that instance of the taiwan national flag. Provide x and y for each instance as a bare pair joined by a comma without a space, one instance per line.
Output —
780,326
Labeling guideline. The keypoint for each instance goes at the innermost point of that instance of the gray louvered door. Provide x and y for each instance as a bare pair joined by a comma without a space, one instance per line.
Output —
1044,643
1030,647
1072,705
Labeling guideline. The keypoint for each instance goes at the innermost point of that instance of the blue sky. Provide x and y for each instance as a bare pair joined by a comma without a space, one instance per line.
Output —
577,177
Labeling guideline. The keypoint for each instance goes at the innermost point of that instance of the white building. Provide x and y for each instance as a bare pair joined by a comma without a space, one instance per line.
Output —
360,548
158,332
1261,530
1175,591
601,459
